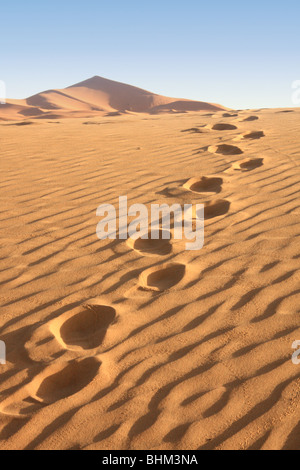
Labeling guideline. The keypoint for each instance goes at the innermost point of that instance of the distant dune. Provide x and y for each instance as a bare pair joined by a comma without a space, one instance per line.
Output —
98,96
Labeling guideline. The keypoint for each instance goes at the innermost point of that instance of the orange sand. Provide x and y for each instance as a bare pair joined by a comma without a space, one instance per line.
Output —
119,345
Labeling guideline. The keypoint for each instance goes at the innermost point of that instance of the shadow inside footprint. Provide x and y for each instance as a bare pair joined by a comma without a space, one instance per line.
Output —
151,247
65,381
229,115
248,164
216,208
225,149
204,185
250,119
162,278
223,127
87,329
253,135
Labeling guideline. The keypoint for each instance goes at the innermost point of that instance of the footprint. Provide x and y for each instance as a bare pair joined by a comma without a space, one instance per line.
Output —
216,208
87,329
229,115
251,136
162,278
225,149
222,127
62,381
248,164
250,119
150,247
204,185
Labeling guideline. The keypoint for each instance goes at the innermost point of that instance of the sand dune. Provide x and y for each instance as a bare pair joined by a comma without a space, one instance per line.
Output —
97,97
141,344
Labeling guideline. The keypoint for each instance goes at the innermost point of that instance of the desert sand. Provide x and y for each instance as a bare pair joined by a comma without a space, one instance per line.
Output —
140,345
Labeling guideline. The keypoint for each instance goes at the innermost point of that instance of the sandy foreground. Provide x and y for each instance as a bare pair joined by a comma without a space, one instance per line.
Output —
112,345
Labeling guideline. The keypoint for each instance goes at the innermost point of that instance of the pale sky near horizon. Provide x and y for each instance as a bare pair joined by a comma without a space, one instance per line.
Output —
239,54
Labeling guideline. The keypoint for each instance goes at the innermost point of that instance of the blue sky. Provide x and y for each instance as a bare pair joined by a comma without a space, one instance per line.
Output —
238,53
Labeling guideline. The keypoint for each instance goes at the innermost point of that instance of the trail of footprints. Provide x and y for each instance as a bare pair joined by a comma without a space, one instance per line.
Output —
164,277
84,330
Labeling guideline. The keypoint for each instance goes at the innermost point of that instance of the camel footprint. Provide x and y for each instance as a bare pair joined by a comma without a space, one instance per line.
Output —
255,135
224,115
64,380
162,278
212,209
150,247
216,208
248,164
222,127
225,149
54,383
250,119
204,185
85,330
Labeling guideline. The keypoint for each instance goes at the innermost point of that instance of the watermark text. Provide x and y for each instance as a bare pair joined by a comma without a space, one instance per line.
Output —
2,353
188,222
